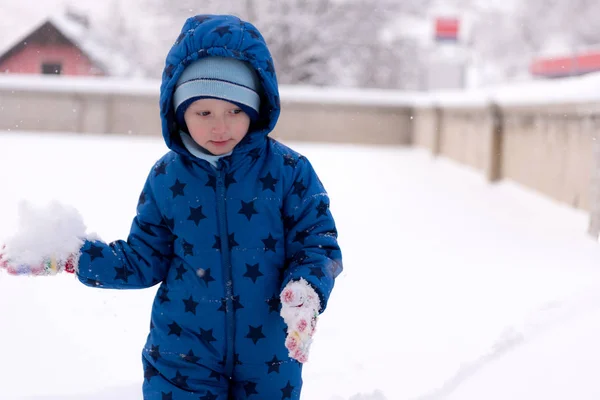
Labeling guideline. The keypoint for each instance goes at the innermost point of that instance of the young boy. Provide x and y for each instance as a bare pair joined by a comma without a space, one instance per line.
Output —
234,226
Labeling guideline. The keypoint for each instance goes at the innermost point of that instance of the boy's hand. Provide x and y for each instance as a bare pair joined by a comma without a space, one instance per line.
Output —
47,240
48,266
299,309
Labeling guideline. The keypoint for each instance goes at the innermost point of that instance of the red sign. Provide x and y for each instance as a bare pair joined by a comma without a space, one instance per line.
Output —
571,65
447,29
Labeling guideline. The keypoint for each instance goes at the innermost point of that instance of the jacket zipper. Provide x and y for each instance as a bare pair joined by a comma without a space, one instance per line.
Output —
227,274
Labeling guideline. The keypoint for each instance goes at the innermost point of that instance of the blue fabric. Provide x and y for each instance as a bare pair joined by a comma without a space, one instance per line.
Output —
222,243
218,77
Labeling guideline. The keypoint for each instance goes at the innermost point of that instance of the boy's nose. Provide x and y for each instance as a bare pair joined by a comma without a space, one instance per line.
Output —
219,126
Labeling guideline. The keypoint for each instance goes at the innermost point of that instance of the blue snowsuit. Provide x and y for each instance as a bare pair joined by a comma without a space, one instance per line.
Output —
222,243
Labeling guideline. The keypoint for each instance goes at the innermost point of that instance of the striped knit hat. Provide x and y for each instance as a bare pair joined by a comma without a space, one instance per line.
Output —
221,78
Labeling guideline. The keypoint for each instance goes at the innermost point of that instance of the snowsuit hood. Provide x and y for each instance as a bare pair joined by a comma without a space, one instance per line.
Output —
225,36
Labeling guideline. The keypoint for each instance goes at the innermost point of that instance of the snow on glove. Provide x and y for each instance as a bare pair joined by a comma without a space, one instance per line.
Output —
47,241
300,307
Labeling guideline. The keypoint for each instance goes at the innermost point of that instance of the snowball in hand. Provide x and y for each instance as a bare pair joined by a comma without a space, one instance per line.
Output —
54,230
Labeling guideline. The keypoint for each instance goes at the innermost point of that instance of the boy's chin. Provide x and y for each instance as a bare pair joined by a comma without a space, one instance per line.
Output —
219,150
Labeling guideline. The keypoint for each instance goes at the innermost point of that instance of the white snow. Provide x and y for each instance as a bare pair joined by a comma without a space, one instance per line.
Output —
452,288
49,230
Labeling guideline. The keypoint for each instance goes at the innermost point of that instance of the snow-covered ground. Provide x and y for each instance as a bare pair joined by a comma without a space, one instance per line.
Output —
453,288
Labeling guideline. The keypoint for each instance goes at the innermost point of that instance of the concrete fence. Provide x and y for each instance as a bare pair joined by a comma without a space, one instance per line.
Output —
548,145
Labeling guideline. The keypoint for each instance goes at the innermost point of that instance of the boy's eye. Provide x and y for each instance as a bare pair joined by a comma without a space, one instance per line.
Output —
236,111
203,113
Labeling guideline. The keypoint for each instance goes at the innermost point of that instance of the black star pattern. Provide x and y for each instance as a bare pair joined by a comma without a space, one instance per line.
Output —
236,359
250,388
178,188
223,307
270,243
222,30
123,274
254,154
248,209
269,182
169,71
255,333
317,272
163,296
170,223
142,199
180,271
93,282
236,303
253,272
299,257
167,396
180,380
232,242
190,305
188,248
94,252
217,244
209,396
322,209
201,18
138,256
160,169
215,375
187,161
154,352
253,33
301,236
274,304
273,365
196,215
229,180
206,277
287,391
190,357
174,329
157,254
206,336
149,371
289,221
290,161
270,68
299,188
146,228
212,182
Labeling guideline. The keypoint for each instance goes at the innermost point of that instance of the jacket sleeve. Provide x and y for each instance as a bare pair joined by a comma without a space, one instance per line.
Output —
312,250
140,262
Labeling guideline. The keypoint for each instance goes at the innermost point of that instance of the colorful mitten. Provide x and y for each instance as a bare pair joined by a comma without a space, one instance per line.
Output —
48,266
46,242
300,307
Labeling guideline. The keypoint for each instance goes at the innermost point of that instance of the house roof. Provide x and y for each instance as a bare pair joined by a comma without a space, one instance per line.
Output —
105,57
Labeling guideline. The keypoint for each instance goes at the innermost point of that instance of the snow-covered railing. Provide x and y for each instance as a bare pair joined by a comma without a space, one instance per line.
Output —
542,134
108,105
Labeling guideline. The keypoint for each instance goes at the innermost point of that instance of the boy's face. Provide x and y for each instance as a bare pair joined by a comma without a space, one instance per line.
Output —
216,125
